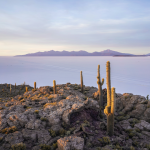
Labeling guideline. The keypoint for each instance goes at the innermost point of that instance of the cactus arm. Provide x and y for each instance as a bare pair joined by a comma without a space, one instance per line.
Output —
102,81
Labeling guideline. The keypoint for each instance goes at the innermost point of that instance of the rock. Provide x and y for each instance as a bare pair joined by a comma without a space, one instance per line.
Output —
139,110
70,143
146,133
143,125
39,112
29,135
125,124
35,125
14,138
43,136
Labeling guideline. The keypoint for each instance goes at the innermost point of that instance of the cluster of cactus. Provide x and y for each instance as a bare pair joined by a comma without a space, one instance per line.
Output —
81,77
110,107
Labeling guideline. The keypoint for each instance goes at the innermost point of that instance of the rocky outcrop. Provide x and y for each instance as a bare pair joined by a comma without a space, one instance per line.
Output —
69,119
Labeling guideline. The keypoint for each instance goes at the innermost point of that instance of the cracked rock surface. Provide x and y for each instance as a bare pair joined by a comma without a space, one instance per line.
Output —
69,119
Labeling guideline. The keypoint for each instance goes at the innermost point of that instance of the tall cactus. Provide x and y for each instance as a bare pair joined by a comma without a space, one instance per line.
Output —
109,111
108,83
110,108
15,85
26,89
100,87
10,88
34,85
81,77
54,87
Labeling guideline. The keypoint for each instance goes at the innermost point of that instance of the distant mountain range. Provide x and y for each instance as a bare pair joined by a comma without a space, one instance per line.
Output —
107,52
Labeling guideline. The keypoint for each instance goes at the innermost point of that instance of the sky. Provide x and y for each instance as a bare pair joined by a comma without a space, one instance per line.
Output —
41,25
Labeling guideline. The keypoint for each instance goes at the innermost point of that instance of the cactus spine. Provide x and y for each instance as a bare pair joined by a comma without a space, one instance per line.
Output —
54,87
34,85
26,89
81,77
100,87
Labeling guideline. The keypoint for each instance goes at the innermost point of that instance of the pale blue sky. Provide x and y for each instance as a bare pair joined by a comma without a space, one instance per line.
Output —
41,25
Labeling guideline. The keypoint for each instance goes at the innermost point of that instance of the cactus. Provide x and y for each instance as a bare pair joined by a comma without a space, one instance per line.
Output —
108,83
100,87
110,107
54,87
81,77
34,85
109,111
26,89
15,85
10,88
147,97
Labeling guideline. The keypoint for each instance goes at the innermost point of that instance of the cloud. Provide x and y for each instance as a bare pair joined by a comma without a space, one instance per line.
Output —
102,23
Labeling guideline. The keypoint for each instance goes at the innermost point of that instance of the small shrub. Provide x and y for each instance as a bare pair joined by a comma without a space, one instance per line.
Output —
1,138
131,134
19,98
137,130
7,105
28,107
88,144
68,133
47,95
104,141
9,130
62,132
148,106
44,119
148,146
54,146
126,97
85,97
36,111
45,147
135,143
52,132
120,118
52,104
22,100
18,146
118,147
1,108
64,97
134,108
132,148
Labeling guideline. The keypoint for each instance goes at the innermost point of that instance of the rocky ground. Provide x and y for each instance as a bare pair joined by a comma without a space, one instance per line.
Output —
70,120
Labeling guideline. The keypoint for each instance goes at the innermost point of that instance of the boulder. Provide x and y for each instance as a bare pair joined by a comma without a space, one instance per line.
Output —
70,143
